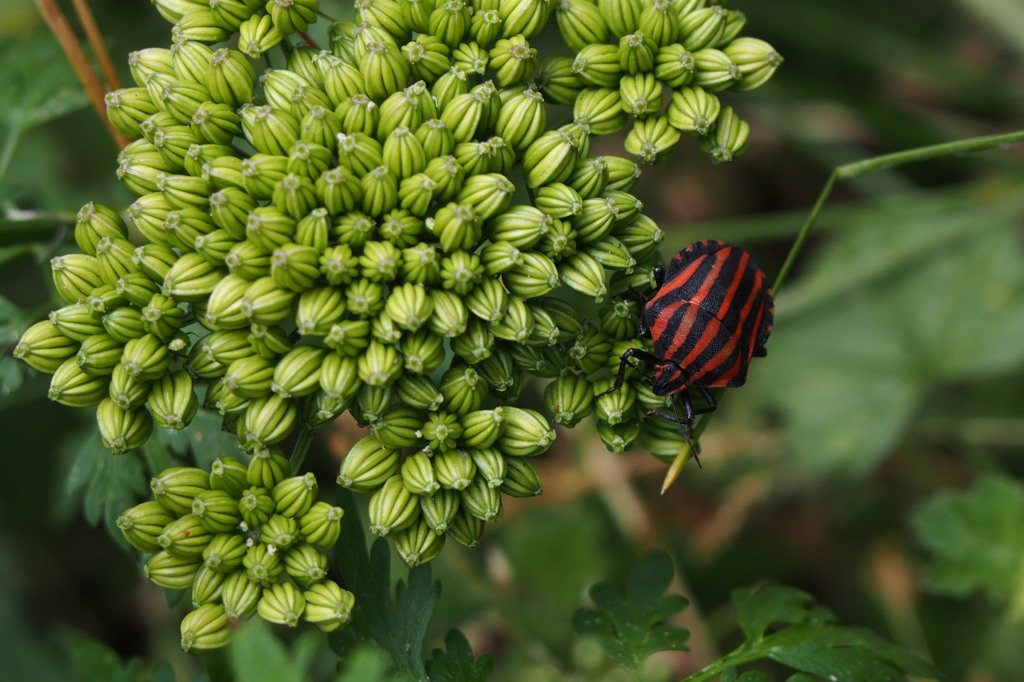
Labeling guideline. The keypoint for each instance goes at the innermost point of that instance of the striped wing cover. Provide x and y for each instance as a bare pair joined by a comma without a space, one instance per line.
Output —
710,317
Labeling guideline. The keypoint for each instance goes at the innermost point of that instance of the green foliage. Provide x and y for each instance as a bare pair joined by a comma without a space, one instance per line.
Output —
456,664
108,485
630,626
976,538
96,662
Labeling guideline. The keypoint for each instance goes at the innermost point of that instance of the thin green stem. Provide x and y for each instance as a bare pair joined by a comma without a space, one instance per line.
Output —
301,449
10,144
885,162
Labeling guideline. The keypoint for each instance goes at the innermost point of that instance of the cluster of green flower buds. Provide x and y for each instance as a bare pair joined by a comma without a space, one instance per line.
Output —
634,55
388,227
245,540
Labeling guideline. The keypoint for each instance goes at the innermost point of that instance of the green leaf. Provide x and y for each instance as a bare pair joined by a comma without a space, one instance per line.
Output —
40,84
776,605
912,297
630,628
109,483
843,653
398,626
456,663
96,662
258,655
976,538
366,664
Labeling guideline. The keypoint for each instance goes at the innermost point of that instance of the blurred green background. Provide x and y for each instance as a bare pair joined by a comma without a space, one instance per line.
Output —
895,373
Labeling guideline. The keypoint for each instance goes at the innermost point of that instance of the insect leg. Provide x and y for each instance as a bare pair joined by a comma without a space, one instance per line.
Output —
637,353
684,424
712,404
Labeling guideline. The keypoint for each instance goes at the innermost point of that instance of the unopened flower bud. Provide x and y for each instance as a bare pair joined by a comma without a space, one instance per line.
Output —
171,572
392,507
175,488
321,525
580,22
652,139
282,603
521,479
702,28
454,469
240,595
295,496
228,474
172,401
641,236
569,398
256,506
619,437
142,524
367,465
217,511
185,537
279,532
729,138
465,528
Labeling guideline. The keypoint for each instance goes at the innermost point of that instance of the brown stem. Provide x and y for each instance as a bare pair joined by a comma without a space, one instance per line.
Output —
99,47
58,24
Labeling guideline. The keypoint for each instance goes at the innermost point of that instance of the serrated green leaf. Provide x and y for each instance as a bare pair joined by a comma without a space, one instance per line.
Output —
976,538
398,626
258,655
770,605
96,662
456,662
108,483
630,629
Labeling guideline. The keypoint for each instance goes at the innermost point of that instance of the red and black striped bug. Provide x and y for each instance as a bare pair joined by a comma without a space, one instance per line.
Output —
711,314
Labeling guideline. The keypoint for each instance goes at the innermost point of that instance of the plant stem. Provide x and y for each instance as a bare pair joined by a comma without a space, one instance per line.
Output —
301,448
846,172
99,47
10,144
885,162
61,29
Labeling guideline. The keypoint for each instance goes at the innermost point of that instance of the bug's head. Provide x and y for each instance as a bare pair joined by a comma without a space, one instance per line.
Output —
669,378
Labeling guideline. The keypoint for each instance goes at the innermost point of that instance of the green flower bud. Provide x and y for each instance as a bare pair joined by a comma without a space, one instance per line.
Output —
545,331
569,399
229,210
224,309
620,437
267,303
591,350
482,500
172,401
291,16
384,69
201,362
239,595
618,406
441,431
224,553
380,191
450,315
185,537
260,174
295,267
305,564
144,63
348,337
371,404
660,22
714,71
580,23
379,365
76,322
282,603
428,58
640,95
513,60
215,246
470,58
536,277
450,21
476,344
192,278
460,272
220,398
447,175
295,496
127,108
525,433
201,26
269,130
292,92
231,77
328,606
517,324
463,390
320,126
598,65
490,468
641,236
229,475
215,123
521,479
558,81
142,524
585,275
279,532
729,138
652,139
449,86
600,110
367,465
418,544
266,421
175,488
228,346
207,586
318,310
255,505
146,358
263,564
139,172
269,342
419,391
702,28
620,320
44,348
393,508
75,275
231,13
217,511
439,509
527,17
636,53
321,525
93,223
550,158
466,529
171,572
454,469
418,475
463,115
674,66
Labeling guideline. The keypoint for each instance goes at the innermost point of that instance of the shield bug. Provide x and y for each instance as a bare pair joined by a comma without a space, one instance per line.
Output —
712,313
